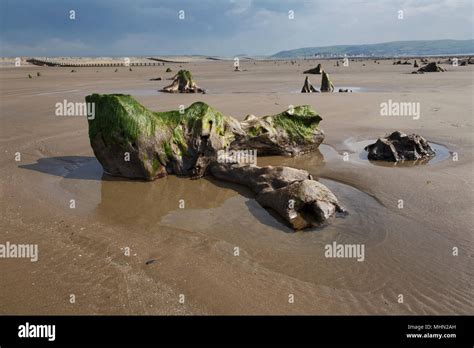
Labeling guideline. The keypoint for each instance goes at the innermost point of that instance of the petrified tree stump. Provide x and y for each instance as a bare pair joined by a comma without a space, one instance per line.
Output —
318,70
183,83
134,142
326,84
308,87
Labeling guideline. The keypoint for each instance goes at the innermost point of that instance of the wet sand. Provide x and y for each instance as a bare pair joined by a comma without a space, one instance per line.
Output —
191,251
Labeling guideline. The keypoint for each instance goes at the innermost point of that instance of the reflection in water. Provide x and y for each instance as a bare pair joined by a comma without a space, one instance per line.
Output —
130,202
144,203
239,217
193,205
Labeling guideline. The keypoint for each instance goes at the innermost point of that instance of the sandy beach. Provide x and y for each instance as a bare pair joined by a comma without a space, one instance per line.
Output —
183,260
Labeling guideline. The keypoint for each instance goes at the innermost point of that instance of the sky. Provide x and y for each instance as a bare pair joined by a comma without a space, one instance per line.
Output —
220,27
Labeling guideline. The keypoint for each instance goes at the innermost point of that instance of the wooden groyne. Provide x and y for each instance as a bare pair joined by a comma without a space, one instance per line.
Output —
44,62
166,60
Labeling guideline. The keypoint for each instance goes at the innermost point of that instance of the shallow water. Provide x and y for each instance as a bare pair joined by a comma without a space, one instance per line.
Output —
139,204
359,154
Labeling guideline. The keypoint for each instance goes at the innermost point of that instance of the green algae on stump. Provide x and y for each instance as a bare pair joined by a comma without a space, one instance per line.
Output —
128,139
292,132
131,141
183,83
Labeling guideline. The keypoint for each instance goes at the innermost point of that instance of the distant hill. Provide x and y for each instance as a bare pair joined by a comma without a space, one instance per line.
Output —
387,49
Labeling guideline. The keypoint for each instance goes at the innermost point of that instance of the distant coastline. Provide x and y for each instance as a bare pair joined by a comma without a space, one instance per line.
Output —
387,49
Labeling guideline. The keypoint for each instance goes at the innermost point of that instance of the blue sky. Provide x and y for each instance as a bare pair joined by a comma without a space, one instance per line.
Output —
220,27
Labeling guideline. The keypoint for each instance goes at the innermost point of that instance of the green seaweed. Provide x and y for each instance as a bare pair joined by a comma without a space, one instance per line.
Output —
179,140
185,75
155,163
120,119
198,118
300,123
254,131
167,149
119,114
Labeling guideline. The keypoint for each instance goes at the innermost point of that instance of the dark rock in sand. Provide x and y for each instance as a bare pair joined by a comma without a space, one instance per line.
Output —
415,64
168,70
308,87
345,90
431,67
399,146
156,79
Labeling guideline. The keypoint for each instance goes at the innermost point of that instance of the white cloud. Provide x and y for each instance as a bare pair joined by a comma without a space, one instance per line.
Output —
239,7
